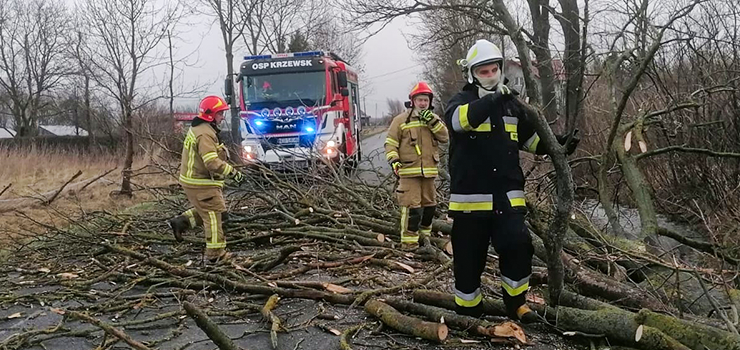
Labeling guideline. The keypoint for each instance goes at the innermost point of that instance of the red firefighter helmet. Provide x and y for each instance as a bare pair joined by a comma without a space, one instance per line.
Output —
421,88
211,105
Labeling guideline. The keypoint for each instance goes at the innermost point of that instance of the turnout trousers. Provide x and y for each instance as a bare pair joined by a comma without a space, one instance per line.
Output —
471,236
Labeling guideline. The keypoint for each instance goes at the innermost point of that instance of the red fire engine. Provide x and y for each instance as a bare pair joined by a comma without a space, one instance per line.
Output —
298,107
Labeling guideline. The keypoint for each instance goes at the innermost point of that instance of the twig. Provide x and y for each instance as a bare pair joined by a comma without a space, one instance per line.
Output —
720,312
109,329
54,196
96,179
5,189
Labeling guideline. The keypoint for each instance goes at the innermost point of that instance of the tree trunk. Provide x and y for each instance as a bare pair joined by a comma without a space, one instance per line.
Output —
88,112
564,181
235,119
640,190
605,195
570,21
541,39
129,159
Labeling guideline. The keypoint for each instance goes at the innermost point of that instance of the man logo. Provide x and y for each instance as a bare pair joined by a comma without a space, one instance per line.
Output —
285,126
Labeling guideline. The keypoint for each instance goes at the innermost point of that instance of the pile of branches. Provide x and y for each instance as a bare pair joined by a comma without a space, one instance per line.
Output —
331,238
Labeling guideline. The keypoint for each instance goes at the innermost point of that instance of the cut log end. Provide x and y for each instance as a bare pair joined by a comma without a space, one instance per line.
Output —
442,332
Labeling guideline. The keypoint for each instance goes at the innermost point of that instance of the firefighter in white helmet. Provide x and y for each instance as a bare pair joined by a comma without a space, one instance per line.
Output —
487,200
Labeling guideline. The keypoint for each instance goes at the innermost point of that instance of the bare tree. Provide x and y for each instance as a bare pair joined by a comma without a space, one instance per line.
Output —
81,79
395,107
32,61
329,34
125,40
232,17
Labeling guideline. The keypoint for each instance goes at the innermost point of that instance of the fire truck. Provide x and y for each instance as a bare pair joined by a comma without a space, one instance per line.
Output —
296,108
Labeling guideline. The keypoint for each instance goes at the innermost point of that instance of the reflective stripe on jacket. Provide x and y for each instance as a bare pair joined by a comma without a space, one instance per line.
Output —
204,159
414,144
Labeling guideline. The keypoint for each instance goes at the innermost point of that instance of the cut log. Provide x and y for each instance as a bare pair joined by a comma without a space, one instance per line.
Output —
461,322
618,326
410,325
692,334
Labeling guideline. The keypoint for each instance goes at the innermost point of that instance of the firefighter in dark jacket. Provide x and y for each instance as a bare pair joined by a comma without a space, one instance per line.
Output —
203,168
411,150
487,184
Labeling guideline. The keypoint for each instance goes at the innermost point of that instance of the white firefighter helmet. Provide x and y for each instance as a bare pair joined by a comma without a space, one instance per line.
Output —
483,52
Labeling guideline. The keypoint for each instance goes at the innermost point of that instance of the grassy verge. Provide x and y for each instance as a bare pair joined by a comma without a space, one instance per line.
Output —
39,171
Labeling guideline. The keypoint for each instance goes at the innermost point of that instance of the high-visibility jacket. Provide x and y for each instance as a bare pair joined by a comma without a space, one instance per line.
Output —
485,174
204,159
414,143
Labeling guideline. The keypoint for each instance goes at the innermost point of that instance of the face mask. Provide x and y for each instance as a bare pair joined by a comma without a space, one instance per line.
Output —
490,83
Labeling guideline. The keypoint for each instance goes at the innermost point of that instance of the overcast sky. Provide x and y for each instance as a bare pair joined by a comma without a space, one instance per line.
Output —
390,67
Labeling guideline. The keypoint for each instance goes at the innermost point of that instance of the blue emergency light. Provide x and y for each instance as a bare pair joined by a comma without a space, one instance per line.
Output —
282,55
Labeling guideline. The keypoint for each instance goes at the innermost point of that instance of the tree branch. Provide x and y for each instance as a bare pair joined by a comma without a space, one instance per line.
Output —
685,149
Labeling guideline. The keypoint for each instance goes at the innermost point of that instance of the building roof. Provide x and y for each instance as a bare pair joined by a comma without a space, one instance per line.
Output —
557,67
7,133
184,116
63,130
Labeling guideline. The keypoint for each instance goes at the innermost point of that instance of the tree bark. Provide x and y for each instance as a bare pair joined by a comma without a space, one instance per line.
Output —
210,328
540,47
391,317
129,158
570,21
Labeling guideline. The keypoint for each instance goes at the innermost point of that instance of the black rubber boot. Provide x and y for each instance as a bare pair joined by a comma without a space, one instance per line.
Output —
178,224
517,309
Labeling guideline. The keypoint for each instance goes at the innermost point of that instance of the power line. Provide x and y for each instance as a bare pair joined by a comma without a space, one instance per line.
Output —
396,71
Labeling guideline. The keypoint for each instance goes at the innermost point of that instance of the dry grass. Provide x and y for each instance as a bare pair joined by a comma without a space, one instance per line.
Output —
38,171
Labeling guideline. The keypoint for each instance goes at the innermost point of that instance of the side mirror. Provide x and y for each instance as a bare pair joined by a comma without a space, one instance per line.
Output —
342,79
344,91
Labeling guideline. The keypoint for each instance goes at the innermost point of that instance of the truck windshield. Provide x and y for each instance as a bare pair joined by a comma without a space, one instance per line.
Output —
279,90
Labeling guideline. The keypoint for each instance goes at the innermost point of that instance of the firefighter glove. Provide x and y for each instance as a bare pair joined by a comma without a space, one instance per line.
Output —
571,146
501,95
514,108
396,165
238,177
426,116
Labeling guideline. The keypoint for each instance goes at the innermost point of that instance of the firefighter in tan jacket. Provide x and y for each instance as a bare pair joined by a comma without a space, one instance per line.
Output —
203,169
411,150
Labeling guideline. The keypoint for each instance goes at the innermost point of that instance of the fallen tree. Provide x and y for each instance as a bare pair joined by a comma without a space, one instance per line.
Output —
311,240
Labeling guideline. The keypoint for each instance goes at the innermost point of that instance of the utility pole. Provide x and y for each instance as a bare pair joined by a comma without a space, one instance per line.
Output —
364,102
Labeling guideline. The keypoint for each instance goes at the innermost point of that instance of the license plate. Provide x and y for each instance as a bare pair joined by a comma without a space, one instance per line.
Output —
287,140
